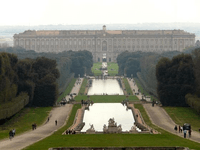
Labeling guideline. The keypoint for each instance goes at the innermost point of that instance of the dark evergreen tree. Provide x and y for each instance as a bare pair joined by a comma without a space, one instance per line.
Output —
175,79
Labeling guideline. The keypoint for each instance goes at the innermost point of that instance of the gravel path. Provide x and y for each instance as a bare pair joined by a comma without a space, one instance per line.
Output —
58,113
160,118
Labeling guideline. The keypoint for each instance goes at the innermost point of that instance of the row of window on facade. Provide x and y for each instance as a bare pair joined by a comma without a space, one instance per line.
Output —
115,42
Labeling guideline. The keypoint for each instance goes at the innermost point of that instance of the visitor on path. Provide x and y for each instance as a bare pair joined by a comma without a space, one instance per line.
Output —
185,132
179,129
34,126
175,128
67,132
153,103
189,132
10,135
56,122
13,131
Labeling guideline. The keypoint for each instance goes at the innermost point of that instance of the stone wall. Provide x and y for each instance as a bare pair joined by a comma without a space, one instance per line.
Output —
119,148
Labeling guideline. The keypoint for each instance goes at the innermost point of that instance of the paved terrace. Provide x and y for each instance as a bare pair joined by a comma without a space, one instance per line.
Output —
60,114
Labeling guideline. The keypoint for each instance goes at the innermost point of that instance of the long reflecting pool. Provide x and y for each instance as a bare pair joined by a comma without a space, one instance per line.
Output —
108,86
99,114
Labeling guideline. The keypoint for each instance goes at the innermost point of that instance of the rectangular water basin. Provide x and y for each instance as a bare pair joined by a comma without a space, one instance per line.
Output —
99,114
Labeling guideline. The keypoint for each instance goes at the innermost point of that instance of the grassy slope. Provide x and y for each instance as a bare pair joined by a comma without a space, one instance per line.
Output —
127,86
68,90
23,120
100,140
143,90
106,98
146,117
140,86
182,115
83,86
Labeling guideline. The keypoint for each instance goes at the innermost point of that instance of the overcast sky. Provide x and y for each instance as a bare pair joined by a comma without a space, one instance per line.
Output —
44,12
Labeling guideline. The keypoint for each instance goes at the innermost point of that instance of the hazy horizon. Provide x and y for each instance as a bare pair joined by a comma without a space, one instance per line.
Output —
76,12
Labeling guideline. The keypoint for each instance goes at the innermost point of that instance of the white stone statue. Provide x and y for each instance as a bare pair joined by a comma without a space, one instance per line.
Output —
111,122
105,129
133,129
119,128
91,130
91,127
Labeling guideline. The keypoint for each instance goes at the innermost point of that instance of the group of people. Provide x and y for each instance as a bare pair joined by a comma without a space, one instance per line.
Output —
70,132
180,130
11,134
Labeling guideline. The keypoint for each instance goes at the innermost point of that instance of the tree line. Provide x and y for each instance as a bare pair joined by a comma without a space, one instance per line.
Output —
69,63
179,79
174,77
26,73
36,77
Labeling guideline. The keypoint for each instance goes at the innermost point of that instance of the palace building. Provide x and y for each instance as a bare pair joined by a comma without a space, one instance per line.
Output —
107,42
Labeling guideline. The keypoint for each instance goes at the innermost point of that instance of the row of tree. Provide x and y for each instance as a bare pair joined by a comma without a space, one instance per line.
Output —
37,77
168,75
129,63
68,62
176,78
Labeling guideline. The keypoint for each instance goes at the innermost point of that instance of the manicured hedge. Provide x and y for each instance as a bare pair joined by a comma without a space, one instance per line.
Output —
193,101
15,105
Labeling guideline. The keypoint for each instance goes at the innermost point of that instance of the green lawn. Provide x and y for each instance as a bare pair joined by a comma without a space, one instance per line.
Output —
95,69
127,86
106,98
23,120
83,86
112,69
67,90
182,115
101,140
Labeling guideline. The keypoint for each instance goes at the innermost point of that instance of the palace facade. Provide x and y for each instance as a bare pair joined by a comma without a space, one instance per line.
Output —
104,42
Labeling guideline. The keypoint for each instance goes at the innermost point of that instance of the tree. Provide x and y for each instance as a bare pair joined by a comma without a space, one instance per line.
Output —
175,79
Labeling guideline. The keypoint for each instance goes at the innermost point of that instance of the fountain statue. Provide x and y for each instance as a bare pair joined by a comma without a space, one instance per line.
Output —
112,127
91,130
133,129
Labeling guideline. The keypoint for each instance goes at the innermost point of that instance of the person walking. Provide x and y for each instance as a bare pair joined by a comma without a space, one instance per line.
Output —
175,128
189,132
10,135
13,131
185,132
56,122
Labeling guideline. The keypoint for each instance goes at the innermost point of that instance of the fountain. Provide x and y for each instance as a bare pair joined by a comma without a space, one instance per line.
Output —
112,127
